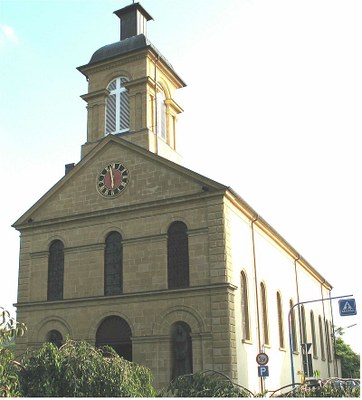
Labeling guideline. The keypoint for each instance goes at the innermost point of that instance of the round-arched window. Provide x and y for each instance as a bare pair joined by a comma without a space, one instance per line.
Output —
55,337
117,107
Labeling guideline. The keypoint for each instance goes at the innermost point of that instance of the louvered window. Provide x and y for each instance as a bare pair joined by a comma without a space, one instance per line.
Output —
161,115
177,256
113,264
56,271
117,107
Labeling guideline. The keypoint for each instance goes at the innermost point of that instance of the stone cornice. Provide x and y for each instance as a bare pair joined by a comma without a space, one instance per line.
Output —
122,209
145,296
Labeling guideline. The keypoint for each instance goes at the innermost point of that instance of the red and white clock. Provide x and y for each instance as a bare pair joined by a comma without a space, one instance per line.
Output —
112,180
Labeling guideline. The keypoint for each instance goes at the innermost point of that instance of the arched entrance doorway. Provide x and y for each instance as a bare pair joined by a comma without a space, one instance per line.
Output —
115,332
181,349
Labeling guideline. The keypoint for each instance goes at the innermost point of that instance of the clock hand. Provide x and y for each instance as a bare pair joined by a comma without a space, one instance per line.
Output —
111,174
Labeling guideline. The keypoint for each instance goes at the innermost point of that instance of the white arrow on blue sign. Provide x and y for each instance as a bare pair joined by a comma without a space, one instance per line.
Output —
347,307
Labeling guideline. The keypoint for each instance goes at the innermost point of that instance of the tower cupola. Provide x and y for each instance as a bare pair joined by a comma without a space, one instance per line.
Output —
133,20
131,90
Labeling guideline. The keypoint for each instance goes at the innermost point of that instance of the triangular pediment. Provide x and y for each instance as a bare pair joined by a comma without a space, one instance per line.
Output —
151,178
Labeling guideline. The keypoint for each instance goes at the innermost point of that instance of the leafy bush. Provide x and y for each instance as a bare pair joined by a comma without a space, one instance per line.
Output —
204,384
349,359
330,387
9,381
9,330
78,369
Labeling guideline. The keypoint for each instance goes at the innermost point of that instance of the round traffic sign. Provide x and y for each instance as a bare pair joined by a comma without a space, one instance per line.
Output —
262,358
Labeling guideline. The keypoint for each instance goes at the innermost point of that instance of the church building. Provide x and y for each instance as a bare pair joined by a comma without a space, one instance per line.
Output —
174,270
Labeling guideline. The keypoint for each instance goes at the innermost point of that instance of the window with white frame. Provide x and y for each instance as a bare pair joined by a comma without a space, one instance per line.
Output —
117,107
161,115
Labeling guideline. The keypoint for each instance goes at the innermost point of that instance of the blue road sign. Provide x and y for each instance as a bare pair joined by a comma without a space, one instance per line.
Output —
347,307
263,370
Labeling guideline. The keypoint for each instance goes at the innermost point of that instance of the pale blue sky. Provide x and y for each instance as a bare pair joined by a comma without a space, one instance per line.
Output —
273,99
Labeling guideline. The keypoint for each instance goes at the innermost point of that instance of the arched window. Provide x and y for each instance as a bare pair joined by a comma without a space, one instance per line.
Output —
114,331
55,337
161,117
304,326
113,265
117,107
177,256
293,326
264,309
56,271
314,336
328,342
280,321
321,338
181,349
244,298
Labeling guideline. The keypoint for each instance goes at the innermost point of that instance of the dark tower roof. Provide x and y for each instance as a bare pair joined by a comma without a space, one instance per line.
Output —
133,20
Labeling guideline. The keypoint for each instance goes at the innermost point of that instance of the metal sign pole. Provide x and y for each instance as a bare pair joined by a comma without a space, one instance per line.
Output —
290,328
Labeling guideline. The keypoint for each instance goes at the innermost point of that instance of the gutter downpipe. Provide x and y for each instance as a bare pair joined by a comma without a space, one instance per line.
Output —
256,293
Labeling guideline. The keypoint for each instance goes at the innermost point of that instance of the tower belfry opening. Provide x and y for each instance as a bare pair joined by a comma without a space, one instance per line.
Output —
130,84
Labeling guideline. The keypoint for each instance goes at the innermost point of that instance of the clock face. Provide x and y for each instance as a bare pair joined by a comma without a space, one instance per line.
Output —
112,180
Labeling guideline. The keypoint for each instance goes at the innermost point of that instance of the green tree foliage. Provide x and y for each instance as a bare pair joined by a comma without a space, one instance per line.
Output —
78,369
9,330
330,387
350,360
204,384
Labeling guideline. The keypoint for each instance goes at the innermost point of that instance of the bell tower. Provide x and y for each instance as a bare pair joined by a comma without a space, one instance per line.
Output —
131,90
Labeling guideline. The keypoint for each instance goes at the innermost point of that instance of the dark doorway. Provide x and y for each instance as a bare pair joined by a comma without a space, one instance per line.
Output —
181,349
115,332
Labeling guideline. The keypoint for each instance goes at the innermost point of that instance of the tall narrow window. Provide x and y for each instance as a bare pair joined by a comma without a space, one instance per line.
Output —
177,256
117,107
244,298
56,271
181,349
306,356
264,308
113,265
304,326
328,342
321,338
280,321
293,325
161,115
314,336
